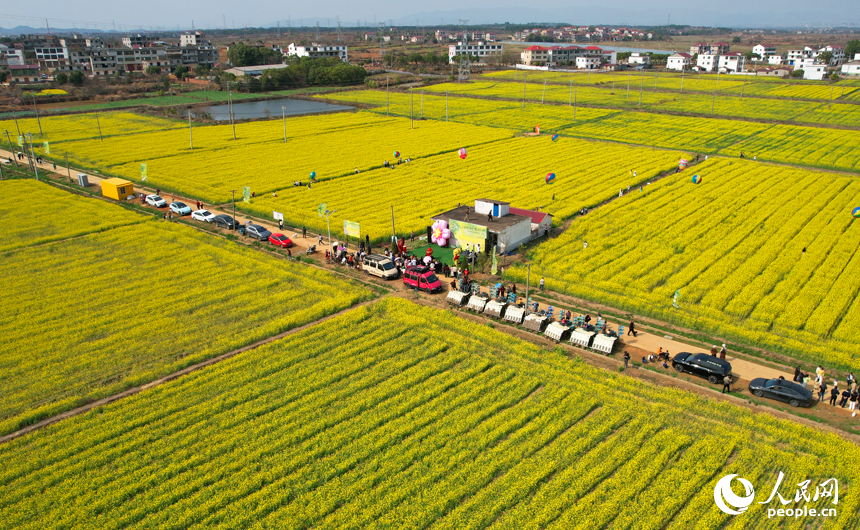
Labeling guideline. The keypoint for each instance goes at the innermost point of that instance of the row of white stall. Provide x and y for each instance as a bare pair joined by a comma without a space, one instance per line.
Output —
537,322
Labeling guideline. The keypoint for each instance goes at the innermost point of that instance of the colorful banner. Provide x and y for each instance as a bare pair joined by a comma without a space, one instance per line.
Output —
47,148
351,229
277,215
246,193
467,233
143,172
321,210
20,141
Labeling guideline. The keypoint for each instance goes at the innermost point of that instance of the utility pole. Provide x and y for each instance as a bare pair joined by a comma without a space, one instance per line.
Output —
68,169
641,85
33,155
745,85
524,92
230,110
569,91
628,87
713,100
234,223
100,127
574,105
543,97
446,105
393,231
613,85
682,78
284,115
422,104
528,277
14,156
27,153
411,108
387,100
37,114
17,128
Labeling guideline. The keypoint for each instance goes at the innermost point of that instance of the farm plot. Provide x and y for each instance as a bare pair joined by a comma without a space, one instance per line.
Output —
411,418
81,126
587,174
807,146
103,312
765,254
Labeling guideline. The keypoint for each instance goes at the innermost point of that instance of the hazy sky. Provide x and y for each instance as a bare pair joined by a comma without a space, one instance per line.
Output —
102,14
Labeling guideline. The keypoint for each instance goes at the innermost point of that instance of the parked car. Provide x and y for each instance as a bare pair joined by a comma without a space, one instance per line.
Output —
781,390
257,232
422,278
225,221
203,215
379,265
180,208
280,240
703,365
155,200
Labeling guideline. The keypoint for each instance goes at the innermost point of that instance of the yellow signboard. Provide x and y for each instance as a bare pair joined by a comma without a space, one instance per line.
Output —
467,233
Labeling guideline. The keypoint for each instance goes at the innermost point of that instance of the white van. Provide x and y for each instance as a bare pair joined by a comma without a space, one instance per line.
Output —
379,265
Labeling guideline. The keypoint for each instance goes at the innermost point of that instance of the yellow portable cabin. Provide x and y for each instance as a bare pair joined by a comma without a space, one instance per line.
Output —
117,189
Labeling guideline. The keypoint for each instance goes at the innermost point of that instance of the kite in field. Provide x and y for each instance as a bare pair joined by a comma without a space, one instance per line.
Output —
697,179
550,177
462,153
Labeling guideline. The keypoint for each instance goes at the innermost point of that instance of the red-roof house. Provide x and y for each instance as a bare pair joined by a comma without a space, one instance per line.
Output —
541,221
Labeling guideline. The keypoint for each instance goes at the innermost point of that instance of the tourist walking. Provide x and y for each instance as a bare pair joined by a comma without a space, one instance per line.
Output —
626,358
853,400
822,390
542,282
834,394
846,394
304,232
632,329
727,383
723,352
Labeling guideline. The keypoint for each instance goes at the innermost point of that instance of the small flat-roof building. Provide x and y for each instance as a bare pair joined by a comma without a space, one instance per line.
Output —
492,223
254,71
117,189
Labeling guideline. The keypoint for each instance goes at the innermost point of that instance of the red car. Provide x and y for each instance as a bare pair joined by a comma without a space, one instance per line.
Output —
422,278
280,240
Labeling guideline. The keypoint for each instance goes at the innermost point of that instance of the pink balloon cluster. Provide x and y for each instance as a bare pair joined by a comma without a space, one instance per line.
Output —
439,233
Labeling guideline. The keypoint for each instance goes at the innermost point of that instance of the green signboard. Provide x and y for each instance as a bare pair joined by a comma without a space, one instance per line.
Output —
351,229
467,233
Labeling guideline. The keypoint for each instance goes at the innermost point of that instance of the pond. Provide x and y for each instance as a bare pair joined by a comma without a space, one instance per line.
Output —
268,108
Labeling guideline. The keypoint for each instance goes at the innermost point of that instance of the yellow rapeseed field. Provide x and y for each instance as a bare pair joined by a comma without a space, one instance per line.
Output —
90,316
79,126
762,253
514,170
397,415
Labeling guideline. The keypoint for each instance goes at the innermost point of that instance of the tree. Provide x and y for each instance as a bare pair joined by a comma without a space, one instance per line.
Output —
244,55
852,48
180,72
797,73
825,57
61,78
834,76
153,70
202,69
4,74
76,78
736,40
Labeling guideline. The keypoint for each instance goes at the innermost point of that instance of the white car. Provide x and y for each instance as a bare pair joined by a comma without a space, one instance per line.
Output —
203,215
155,200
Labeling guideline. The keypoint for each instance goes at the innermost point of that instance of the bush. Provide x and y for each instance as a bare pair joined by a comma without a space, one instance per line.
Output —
77,78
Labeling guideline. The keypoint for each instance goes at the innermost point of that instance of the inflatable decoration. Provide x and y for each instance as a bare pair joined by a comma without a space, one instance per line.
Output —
682,163
396,154
428,252
697,179
856,212
462,153
313,175
439,234
550,177
537,129
554,137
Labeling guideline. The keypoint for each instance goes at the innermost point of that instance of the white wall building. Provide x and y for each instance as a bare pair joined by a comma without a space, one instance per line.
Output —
708,62
838,54
776,60
732,62
851,67
764,50
678,61
191,39
480,49
636,58
317,51
588,63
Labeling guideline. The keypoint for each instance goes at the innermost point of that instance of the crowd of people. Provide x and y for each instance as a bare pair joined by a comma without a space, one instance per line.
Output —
848,396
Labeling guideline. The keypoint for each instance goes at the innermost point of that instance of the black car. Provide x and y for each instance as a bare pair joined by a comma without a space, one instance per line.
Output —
782,390
257,232
225,221
702,364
